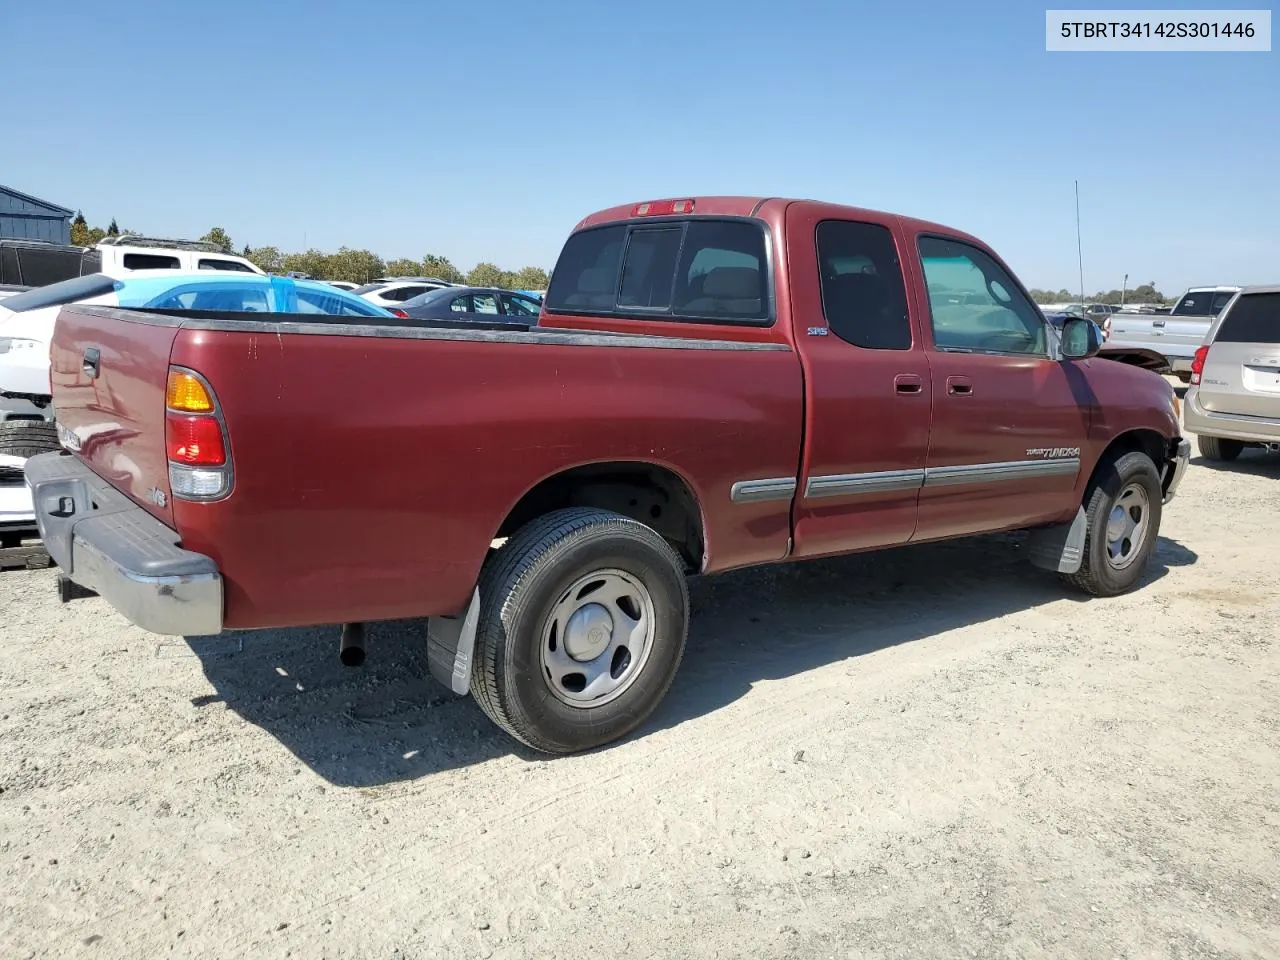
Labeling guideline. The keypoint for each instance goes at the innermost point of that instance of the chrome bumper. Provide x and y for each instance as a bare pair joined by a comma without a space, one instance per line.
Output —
109,545
1176,467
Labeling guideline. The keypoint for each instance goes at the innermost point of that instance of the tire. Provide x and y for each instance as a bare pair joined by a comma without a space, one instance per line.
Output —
1184,376
526,632
1218,448
1108,569
27,438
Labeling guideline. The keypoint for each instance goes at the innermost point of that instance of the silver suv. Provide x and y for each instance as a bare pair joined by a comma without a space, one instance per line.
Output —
1234,399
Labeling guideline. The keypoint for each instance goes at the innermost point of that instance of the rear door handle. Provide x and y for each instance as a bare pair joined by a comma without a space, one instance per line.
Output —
91,363
908,383
959,386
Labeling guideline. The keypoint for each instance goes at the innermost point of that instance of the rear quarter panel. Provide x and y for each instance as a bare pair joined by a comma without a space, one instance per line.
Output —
373,472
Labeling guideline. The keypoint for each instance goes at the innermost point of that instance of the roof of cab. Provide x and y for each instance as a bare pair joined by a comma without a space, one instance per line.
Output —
741,206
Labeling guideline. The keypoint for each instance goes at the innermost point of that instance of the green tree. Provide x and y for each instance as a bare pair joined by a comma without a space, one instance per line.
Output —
357,266
531,278
112,229
266,259
313,263
488,275
219,236
403,267
80,231
434,265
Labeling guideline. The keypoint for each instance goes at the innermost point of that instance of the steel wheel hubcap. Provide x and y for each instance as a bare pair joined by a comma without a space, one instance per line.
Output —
597,638
1127,526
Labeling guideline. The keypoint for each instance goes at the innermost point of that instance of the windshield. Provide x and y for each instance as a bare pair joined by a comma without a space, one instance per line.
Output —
67,291
1202,303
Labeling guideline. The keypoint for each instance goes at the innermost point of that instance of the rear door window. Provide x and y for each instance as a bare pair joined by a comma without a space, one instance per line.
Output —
215,263
149,261
1254,319
864,297
518,306
696,269
484,303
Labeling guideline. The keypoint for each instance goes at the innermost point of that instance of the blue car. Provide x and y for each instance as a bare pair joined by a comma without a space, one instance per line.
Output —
27,319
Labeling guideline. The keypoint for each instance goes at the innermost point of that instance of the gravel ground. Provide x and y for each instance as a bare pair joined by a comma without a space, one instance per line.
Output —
931,752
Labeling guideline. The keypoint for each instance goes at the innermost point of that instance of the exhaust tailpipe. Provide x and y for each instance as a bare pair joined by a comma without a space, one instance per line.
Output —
351,646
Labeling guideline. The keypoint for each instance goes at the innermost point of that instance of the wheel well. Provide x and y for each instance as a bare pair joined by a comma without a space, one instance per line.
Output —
1134,441
653,495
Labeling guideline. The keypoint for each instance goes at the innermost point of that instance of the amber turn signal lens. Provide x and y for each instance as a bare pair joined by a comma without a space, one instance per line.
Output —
186,393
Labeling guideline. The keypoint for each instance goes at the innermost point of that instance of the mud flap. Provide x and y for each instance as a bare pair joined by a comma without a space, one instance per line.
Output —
451,641
1059,548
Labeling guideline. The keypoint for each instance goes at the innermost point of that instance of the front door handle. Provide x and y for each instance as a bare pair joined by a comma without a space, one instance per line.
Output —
908,383
959,386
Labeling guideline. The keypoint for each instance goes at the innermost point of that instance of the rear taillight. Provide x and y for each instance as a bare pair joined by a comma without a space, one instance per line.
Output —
399,313
195,438
1197,364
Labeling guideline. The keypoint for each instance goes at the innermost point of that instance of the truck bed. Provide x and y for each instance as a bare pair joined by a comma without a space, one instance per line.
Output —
375,519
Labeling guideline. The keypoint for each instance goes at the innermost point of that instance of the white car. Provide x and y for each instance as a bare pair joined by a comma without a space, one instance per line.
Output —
390,292
342,284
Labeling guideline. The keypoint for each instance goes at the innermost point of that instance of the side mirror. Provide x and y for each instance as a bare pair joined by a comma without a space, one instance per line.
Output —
1081,339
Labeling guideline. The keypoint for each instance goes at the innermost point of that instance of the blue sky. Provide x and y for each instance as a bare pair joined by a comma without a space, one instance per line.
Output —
486,130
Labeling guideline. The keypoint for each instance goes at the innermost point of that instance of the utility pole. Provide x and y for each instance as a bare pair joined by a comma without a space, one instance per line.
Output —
1079,247
1124,288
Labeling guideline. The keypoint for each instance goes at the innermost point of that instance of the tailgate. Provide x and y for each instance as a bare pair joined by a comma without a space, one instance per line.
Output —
1158,332
1242,370
112,411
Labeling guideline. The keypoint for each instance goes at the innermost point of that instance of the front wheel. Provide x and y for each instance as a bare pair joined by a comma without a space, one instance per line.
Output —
1122,515
582,626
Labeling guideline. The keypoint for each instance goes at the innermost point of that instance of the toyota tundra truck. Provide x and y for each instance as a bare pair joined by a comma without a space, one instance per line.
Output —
712,383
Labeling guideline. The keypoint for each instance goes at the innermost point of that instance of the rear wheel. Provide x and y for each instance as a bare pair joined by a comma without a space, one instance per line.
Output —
26,438
1218,448
1122,514
583,622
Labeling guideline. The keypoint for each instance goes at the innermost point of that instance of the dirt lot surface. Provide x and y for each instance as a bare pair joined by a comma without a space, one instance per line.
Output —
934,752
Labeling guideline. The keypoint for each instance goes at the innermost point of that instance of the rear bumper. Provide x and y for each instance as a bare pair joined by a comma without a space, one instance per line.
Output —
1198,420
106,543
1176,468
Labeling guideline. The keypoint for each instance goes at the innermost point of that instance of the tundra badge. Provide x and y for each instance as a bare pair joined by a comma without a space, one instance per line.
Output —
1053,453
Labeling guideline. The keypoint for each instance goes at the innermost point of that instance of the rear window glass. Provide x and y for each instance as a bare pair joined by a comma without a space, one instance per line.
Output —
692,269
68,291
1254,319
1204,303
149,261
222,297
318,301
214,263
368,288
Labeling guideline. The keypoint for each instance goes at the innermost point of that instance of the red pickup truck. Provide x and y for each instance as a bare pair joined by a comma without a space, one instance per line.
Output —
714,382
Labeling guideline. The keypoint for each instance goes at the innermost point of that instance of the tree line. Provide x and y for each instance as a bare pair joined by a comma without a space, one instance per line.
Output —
355,266
1143,293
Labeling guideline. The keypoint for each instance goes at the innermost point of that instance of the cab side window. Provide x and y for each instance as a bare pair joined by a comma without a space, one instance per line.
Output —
974,305
864,297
